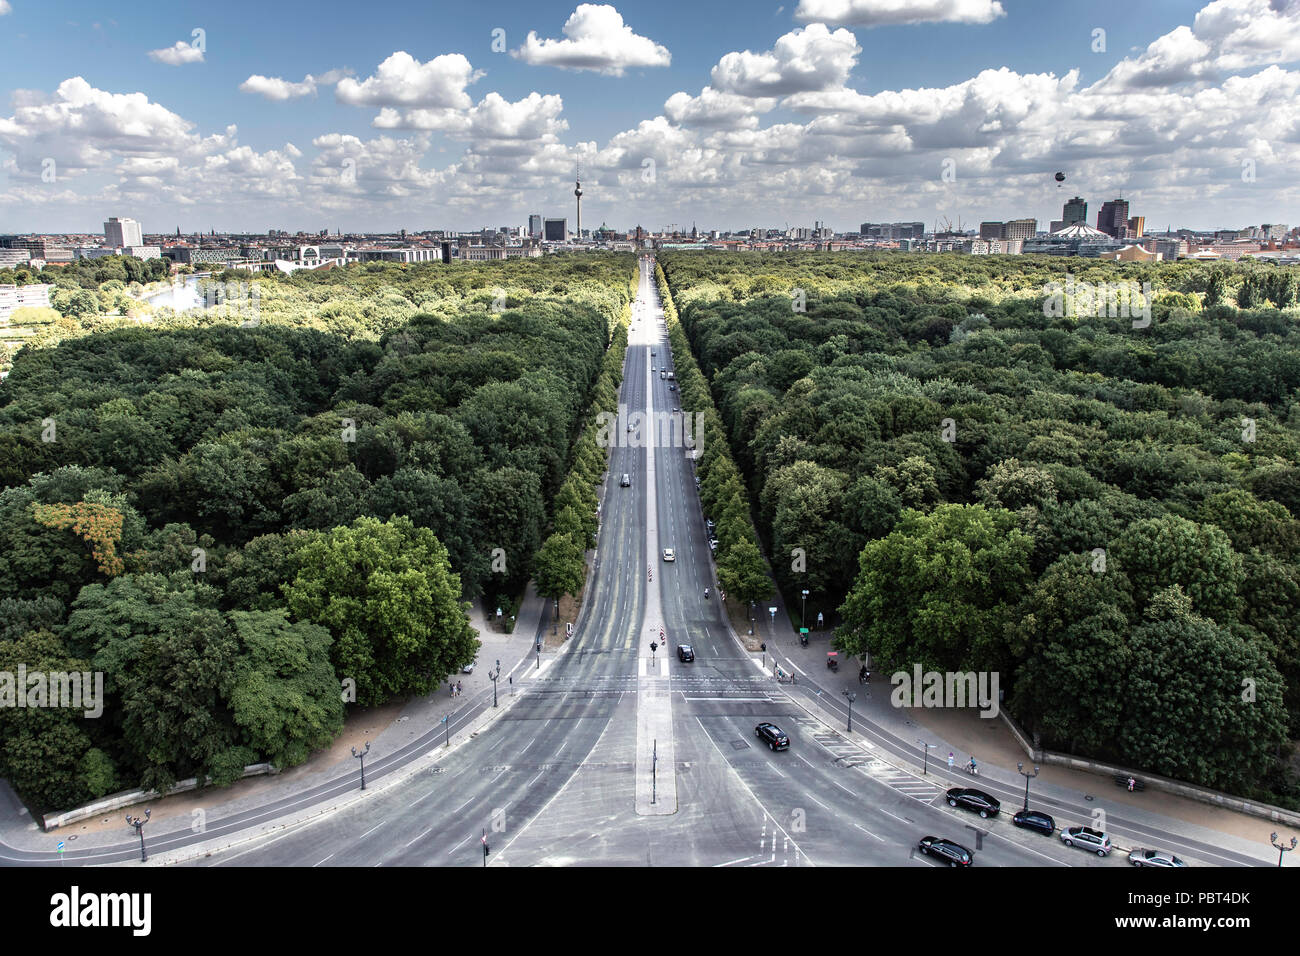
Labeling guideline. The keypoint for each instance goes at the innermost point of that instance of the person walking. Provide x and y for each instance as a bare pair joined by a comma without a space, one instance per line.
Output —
951,760
459,689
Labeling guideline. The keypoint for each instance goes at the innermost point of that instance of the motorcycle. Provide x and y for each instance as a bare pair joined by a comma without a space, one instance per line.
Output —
803,639
832,663
864,675
706,594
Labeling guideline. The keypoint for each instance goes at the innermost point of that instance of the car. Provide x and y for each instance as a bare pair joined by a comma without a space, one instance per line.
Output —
662,373
771,735
670,554
709,525
652,351
672,387
713,544
976,800
954,854
626,481
1035,820
1088,838
1154,858
685,653
468,668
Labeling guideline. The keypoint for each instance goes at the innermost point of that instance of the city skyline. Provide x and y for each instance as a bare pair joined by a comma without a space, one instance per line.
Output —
831,110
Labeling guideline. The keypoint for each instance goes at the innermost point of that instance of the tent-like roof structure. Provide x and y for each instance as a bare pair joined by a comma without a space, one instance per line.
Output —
1079,230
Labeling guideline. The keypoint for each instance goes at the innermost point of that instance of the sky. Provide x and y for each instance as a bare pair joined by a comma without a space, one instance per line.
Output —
249,116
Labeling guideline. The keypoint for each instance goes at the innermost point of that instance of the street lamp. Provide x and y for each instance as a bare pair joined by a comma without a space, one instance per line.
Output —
1272,838
139,822
361,755
803,609
925,762
852,698
493,678
1028,776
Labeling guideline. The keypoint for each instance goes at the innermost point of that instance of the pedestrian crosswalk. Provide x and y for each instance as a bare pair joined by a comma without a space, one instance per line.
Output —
851,755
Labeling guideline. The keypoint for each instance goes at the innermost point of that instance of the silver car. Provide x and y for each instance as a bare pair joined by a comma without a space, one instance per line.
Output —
1154,858
1088,838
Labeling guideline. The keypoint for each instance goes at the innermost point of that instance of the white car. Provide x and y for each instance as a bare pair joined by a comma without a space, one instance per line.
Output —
670,554
1154,858
1088,838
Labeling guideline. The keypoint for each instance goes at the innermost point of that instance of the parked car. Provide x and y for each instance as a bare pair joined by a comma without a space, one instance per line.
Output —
1088,838
976,800
663,374
713,544
468,668
771,735
1154,858
670,554
672,387
954,854
708,525
1035,820
685,653
626,481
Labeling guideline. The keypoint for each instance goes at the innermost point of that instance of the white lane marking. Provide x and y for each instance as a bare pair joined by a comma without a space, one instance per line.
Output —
894,815
731,862
458,845
422,835
868,832
372,830
330,857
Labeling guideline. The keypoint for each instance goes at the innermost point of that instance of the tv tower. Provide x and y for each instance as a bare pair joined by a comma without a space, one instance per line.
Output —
577,192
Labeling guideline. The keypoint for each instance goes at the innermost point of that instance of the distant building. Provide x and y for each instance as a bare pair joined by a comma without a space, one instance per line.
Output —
555,230
991,230
1076,210
1079,239
1113,218
1019,229
122,232
891,231
535,226
14,257
1131,254
1135,226
14,297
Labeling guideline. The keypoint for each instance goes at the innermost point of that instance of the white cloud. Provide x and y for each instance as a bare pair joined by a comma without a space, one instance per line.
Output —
535,118
808,58
4,7
717,110
275,88
878,13
402,80
177,54
1226,36
596,38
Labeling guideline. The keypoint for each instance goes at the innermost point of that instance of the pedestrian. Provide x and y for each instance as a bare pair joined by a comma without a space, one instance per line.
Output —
452,688
1131,784
459,689
951,759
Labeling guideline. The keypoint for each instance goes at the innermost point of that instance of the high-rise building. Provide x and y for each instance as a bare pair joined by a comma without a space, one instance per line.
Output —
1113,218
1076,210
1135,226
535,225
123,232
991,230
555,230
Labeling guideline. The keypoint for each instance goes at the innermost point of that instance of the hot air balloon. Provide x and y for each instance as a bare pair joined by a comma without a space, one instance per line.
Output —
1060,178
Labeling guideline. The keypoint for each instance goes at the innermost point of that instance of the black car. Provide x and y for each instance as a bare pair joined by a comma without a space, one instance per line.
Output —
976,800
1035,820
685,653
954,854
771,734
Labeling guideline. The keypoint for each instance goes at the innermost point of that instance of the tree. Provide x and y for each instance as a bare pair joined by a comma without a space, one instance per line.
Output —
1161,552
282,691
560,567
742,573
938,591
386,593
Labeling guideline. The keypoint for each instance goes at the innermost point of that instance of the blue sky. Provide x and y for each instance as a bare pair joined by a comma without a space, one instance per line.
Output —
825,145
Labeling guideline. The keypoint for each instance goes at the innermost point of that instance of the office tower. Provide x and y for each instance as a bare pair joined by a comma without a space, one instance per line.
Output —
123,232
555,230
1113,218
1076,210
1136,224
535,226
991,230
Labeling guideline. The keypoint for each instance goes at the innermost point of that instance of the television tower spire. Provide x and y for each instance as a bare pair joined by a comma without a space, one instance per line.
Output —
577,192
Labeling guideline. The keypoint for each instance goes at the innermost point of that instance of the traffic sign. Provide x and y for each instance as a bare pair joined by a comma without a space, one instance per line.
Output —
61,844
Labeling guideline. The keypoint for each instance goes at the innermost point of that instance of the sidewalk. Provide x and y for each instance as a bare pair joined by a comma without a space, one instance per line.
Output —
387,729
964,732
